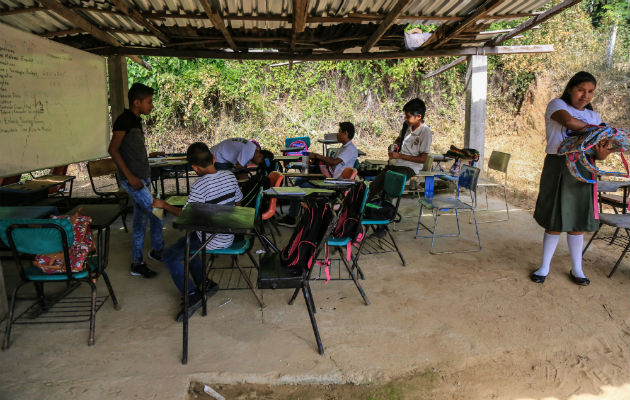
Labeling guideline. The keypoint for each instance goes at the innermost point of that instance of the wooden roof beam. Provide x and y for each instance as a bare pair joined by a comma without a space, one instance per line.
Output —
139,19
533,22
219,24
445,67
387,22
79,21
300,10
163,52
446,32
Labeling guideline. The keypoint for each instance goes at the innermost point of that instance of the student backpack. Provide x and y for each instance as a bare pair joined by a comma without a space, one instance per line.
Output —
300,252
578,147
349,224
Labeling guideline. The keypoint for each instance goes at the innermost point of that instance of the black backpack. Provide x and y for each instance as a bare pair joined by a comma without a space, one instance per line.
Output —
310,230
349,224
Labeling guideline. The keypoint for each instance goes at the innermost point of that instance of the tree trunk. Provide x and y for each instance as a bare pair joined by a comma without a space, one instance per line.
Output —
611,46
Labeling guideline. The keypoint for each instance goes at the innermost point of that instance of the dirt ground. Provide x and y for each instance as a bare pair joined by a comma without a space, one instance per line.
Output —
455,326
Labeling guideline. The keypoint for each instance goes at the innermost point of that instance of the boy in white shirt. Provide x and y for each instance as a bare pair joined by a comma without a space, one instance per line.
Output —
236,153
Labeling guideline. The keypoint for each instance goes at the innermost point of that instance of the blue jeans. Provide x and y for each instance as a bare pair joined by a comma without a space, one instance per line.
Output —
294,208
173,259
142,210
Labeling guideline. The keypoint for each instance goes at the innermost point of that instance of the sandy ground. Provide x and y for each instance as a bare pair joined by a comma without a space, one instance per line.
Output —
459,326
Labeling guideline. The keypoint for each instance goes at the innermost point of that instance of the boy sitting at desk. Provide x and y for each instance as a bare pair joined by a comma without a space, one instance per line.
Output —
214,187
128,151
236,153
344,158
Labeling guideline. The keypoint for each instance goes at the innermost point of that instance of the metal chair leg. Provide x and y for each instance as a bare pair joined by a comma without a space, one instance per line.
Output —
7,333
249,283
306,290
623,253
395,245
92,313
110,289
354,278
591,241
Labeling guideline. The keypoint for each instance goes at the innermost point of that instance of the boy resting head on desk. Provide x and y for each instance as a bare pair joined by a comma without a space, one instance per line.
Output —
214,187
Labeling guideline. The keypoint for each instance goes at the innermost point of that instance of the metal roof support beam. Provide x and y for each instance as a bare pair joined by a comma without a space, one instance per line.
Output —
446,32
219,24
534,21
139,19
388,55
445,68
476,90
388,21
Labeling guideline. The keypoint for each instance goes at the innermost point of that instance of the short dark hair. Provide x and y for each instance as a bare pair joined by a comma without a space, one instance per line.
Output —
347,127
415,107
138,91
575,80
199,154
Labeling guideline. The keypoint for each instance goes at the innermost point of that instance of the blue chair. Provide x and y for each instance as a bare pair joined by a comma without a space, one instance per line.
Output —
394,187
39,236
467,180
344,242
240,247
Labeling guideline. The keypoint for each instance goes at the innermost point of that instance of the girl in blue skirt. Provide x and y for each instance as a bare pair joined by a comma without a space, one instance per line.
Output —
565,204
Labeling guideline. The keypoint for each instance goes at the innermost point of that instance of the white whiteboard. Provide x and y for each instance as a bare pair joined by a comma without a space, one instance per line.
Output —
53,103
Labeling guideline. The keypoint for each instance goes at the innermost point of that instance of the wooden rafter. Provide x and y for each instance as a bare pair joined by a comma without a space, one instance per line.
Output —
300,10
534,21
217,21
445,68
79,21
446,32
139,19
170,52
387,22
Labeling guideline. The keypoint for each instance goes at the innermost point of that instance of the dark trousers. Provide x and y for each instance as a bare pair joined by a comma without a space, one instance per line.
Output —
378,185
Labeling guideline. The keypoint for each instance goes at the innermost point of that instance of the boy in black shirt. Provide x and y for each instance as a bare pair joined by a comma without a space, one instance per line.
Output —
128,151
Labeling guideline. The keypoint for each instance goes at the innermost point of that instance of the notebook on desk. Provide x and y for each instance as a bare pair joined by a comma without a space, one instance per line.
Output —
290,190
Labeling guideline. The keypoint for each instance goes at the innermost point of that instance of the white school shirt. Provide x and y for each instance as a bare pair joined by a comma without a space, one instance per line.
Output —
348,154
415,143
219,188
555,131
234,151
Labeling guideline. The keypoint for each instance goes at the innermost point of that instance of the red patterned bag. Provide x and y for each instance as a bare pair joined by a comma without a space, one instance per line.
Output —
78,252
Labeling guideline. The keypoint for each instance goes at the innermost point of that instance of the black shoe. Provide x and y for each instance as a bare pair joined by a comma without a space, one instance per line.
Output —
579,281
537,278
194,303
379,233
287,221
141,269
155,255
211,288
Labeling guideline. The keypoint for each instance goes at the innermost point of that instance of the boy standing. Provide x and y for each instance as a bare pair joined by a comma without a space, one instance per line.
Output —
127,149
214,187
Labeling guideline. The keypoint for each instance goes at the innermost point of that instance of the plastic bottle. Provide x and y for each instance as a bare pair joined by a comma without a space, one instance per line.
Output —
305,163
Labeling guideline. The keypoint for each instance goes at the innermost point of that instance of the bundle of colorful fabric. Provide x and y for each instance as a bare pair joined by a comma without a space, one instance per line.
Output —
463,154
579,147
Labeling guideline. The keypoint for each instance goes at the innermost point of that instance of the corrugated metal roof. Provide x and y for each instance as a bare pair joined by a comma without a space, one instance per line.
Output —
335,25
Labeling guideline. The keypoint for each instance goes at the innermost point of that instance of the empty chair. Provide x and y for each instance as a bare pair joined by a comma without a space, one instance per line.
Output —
275,180
108,188
617,221
349,173
467,180
498,162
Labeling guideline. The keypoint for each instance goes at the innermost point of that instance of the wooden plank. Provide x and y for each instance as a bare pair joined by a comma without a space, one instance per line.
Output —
445,68
534,21
79,21
388,21
445,32
217,21
331,56
139,19
300,9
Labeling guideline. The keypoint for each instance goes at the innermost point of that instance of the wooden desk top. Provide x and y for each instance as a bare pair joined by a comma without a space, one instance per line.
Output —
103,215
27,212
37,184
214,218
303,175
612,186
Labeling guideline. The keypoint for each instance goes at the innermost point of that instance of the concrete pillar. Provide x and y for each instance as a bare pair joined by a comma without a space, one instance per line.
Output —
118,84
476,89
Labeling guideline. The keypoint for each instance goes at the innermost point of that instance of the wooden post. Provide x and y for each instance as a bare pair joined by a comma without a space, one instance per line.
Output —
476,88
118,85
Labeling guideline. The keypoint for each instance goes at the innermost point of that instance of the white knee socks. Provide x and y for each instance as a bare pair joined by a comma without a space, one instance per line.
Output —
549,247
575,243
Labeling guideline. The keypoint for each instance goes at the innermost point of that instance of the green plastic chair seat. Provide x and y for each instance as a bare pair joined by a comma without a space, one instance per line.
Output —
237,248
35,274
